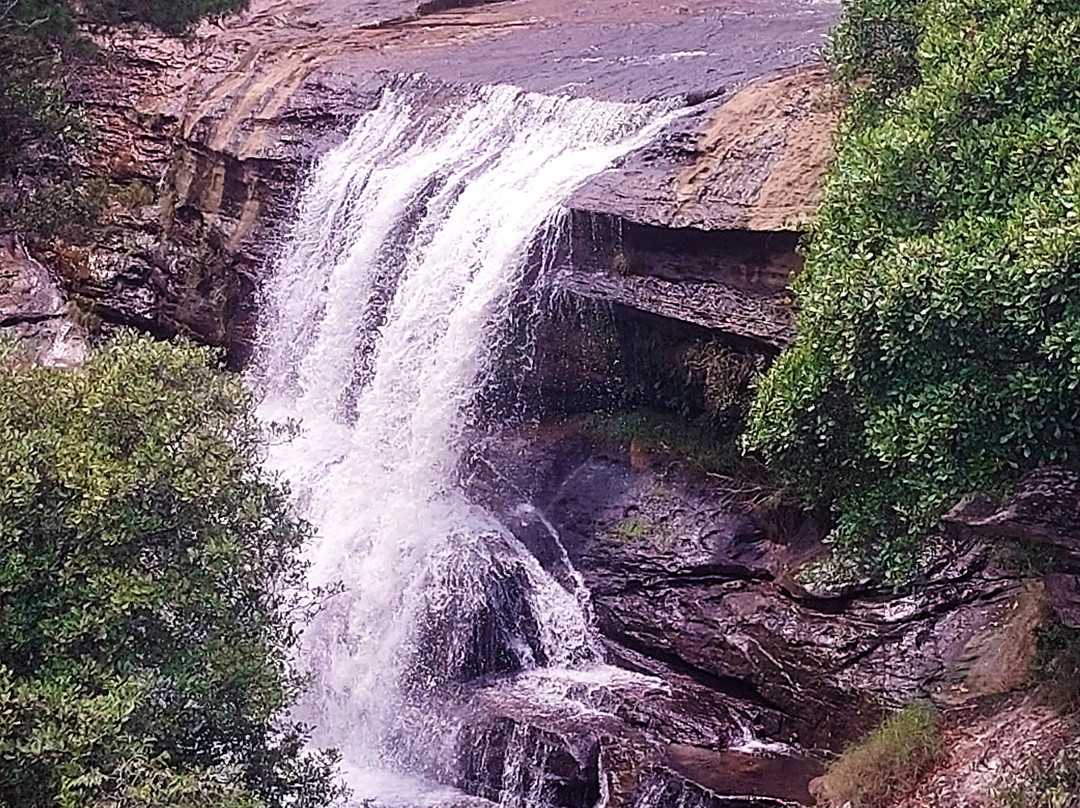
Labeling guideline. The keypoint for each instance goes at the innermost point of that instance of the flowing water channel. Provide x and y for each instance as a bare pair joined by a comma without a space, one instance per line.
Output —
384,316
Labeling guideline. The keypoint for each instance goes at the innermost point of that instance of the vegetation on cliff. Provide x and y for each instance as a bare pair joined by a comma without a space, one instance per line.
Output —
150,584
48,189
938,346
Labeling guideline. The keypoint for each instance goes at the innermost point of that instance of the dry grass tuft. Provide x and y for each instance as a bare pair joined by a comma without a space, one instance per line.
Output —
887,764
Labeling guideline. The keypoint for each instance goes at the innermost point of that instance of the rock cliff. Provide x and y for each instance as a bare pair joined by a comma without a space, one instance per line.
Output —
221,126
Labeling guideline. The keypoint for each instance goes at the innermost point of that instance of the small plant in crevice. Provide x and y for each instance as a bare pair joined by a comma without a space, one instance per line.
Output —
724,376
695,441
81,312
626,262
887,764
634,527
70,211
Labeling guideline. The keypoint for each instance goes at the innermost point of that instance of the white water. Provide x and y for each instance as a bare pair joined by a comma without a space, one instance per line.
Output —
384,315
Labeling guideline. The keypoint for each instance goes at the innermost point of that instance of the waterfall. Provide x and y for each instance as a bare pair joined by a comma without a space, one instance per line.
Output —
383,317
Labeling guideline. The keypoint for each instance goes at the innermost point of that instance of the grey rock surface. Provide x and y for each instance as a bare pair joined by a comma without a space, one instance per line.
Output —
684,570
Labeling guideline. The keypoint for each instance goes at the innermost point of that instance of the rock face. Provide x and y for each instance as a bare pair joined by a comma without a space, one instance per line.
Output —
565,738
34,311
687,573
755,163
221,127
1043,512
767,320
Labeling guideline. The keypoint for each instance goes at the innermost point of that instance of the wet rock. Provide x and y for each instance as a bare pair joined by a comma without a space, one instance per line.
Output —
684,571
1042,514
1043,510
661,787
565,737
1063,596
514,763
736,772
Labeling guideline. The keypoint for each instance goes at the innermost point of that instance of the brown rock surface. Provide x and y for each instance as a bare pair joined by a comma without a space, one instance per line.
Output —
34,310
224,123
768,320
757,163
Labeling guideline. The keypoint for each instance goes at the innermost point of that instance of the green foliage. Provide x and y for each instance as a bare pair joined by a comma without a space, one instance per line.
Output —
149,580
37,121
888,763
877,41
1044,784
938,348
172,16
70,210
696,441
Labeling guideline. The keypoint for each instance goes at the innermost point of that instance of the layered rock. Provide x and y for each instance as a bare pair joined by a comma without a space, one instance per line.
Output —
34,311
1042,514
221,126
686,571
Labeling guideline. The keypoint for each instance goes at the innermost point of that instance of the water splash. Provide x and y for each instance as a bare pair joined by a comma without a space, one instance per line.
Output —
384,314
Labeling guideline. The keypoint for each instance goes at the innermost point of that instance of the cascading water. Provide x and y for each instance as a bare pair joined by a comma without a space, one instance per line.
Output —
383,317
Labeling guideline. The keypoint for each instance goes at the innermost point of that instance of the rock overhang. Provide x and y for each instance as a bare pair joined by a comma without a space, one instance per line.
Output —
228,121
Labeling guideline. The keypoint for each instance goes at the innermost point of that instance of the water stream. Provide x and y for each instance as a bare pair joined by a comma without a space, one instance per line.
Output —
382,320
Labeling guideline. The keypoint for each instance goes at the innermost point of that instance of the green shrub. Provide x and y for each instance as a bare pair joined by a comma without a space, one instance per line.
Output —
173,16
149,586
878,40
696,441
938,347
887,764
1049,784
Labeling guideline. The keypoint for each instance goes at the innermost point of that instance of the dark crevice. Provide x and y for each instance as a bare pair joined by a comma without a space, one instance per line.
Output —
27,319
726,685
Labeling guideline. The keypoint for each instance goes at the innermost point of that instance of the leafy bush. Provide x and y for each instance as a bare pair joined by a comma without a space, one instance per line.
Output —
887,764
173,16
938,347
878,40
1050,784
149,583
